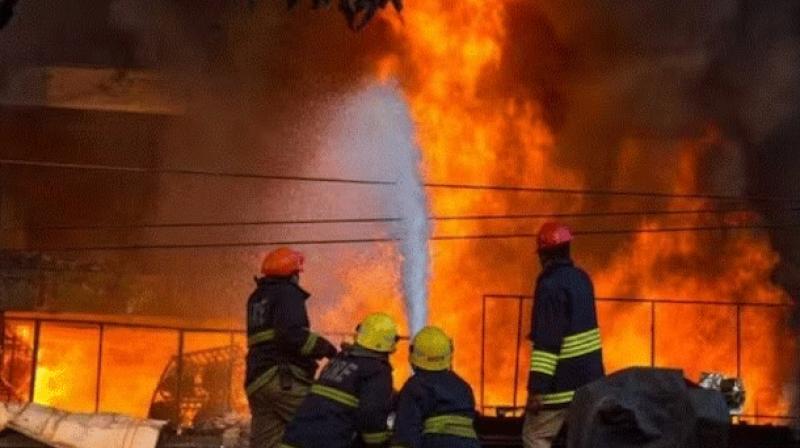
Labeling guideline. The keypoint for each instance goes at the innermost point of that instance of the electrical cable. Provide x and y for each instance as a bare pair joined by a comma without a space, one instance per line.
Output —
389,239
439,185
188,172
380,220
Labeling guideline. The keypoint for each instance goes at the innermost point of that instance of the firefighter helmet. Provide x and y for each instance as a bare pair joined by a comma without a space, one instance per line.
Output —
553,234
282,262
431,349
377,332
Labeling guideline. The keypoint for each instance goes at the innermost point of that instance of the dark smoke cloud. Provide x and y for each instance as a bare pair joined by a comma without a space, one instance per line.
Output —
256,80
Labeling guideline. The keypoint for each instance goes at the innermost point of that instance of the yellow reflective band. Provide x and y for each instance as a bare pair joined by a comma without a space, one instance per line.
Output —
543,362
335,395
543,355
545,369
311,341
580,344
263,336
583,350
558,398
540,356
283,445
577,339
259,382
452,425
375,438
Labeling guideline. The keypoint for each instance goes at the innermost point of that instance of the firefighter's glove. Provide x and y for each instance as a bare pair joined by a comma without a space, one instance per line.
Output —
325,349
534,404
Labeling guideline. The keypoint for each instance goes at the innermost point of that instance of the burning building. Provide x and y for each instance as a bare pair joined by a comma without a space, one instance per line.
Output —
199,136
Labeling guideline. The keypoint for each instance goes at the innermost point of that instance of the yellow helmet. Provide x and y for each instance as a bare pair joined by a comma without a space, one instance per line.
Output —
431,349
377,332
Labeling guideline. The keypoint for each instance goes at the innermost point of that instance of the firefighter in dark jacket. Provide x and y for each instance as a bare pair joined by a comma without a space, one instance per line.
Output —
435,408
282,353
350,403
566,350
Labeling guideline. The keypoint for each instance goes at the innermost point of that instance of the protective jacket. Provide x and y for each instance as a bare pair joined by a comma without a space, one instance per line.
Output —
349,404
277,333
567,351
435,410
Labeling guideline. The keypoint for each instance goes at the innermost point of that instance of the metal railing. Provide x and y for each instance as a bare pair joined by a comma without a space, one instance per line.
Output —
515,407
179,332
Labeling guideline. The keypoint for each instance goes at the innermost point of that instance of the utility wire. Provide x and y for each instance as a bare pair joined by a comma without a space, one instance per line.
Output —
440,185
188,172
698,211
602,192
203,224
488,217
390,239
621,231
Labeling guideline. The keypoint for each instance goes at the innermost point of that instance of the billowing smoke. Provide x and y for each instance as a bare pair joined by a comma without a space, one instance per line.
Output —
255,80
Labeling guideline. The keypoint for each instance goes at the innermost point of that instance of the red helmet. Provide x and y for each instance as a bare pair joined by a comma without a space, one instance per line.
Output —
282,262
553,234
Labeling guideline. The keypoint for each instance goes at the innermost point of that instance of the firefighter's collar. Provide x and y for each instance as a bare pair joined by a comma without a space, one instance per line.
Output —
260,281
554,263
356,350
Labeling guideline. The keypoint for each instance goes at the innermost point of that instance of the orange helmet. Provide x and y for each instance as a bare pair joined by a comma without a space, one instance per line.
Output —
553,234
282,262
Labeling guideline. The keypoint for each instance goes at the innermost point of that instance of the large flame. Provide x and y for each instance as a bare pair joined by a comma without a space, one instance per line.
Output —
470,135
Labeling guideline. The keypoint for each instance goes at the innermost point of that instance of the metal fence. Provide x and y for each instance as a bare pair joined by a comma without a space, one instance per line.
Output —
12,358
515,407
22,359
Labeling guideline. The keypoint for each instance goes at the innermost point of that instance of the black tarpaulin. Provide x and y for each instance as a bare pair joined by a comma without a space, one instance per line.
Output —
646,408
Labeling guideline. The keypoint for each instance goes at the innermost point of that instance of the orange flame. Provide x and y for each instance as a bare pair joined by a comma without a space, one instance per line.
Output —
469,135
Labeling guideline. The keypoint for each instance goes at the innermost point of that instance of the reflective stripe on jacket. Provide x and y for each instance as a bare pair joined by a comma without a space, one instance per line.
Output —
351,399
435,410
277,332
567,348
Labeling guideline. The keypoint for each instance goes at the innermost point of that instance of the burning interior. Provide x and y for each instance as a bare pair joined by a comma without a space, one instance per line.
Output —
665,135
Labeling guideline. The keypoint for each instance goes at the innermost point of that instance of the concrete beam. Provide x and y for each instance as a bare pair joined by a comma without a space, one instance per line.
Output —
91,88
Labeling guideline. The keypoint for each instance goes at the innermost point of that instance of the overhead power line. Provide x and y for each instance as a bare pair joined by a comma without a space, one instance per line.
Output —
168,225
603,214
439,185
488,236
602,192
380,220
620,232
187,172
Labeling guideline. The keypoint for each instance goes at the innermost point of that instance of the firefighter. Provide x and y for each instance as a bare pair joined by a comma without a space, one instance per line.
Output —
435,408
566,350
350,403
282,353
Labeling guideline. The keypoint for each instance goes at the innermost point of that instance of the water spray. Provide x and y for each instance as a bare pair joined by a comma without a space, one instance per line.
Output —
374,137
413,206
